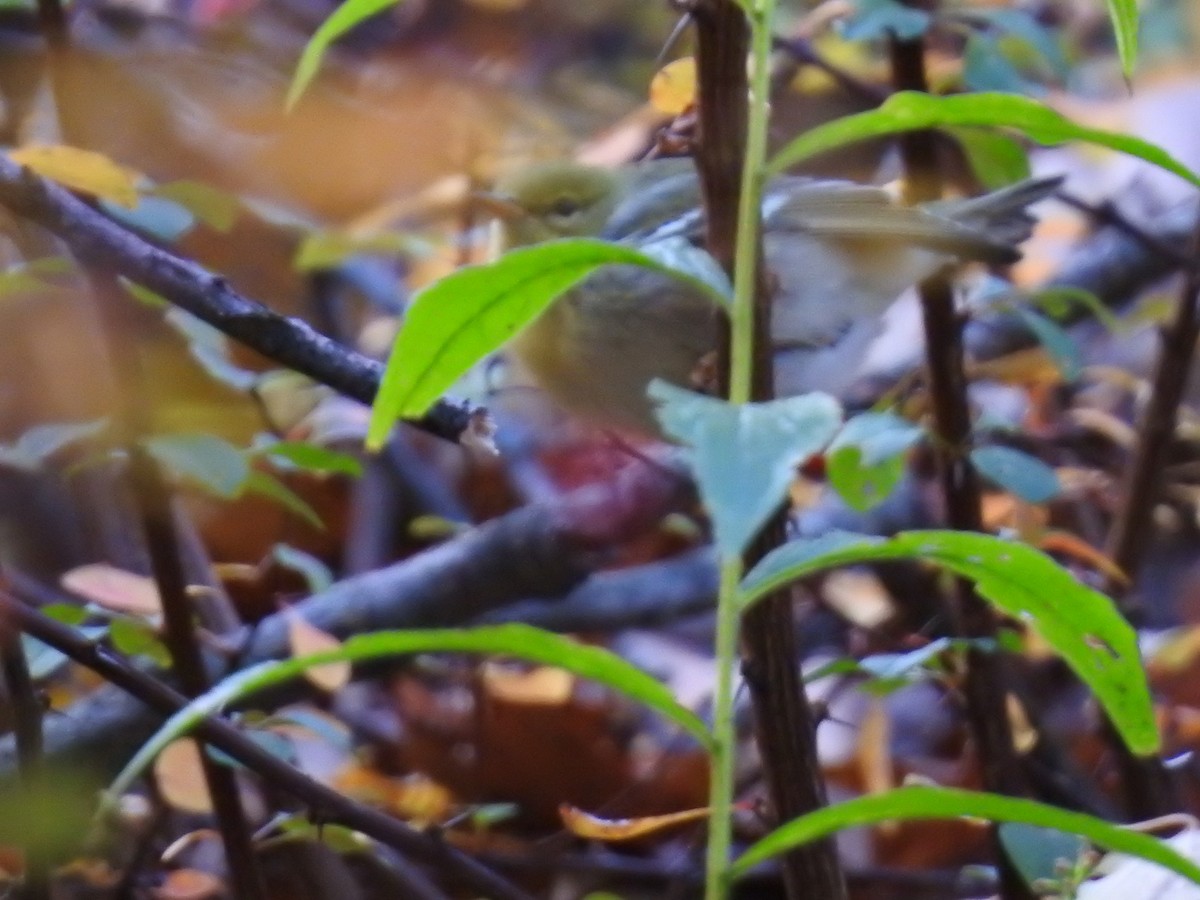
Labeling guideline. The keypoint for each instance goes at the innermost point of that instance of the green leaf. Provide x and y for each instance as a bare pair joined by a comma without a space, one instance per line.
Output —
315,573
1056,302
213,464
330,249
1124,16
875,19
745,455
996,159
212,206
136,638
1023,26
1081,624
315,458
270,486
1038,852
1018,473
457,321
1060,345
914,110
865,461
519,641
987,68
343,19
67,613
919,802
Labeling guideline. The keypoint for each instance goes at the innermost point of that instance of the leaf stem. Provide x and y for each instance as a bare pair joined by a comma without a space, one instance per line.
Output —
725,744
741,368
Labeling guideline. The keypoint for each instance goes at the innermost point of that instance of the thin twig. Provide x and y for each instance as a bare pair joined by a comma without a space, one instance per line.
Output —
324,803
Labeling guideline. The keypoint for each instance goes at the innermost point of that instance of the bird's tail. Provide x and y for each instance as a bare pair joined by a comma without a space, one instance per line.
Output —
1002,215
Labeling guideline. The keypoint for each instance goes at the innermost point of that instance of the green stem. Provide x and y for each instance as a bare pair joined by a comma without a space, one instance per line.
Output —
741,352
721,778
741,362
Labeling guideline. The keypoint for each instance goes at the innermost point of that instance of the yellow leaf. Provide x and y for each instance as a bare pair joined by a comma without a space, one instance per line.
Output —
180,776
114,589
673,89
81,170
542,686
305,639
594,828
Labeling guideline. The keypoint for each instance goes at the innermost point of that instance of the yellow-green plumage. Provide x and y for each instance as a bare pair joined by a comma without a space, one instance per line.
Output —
839,253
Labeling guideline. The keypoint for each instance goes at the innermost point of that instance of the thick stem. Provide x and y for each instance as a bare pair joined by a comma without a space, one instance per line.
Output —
730,156
984,687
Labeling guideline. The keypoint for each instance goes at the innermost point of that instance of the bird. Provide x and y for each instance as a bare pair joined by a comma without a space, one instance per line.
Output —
838,254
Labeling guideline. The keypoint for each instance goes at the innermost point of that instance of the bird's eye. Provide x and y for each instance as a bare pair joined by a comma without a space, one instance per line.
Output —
564,207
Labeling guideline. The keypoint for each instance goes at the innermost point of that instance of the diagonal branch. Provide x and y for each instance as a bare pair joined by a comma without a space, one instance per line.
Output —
97,240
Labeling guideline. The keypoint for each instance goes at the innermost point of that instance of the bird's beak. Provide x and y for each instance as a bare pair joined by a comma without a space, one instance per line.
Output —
499,205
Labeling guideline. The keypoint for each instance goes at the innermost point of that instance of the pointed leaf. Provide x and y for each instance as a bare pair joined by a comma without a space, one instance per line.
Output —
81,170
745,455
913,110
1018,473
1081,624
342,20
457,321
919,802
519,641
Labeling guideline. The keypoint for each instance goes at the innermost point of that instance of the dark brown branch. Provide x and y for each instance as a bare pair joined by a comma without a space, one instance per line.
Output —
324,803
986,707
154,500
96,240
541,550
785,725
1147,783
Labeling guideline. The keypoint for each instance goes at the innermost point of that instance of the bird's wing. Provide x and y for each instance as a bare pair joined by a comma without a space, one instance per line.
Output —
844,210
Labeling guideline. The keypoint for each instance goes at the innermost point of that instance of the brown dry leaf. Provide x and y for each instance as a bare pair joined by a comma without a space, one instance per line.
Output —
593,828
1024,735
417,799
1071,545
673,88
1105,424
305,639
81,170
115,589
874,756
189,884
859,597
1030,367
545,685
180,776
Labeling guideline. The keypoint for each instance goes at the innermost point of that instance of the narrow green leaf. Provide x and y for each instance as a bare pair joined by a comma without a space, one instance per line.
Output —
314,458
920,802
1018,473
137,638
208,461
457,321
269,486
343,19
1124,16
996,159
315,573
1081,624
913,110
1060,345
745,455
519,641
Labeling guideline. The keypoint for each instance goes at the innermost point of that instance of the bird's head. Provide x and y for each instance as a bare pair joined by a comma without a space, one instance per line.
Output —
550,200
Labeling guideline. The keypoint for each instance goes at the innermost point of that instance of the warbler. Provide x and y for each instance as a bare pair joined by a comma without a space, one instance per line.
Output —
838,254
